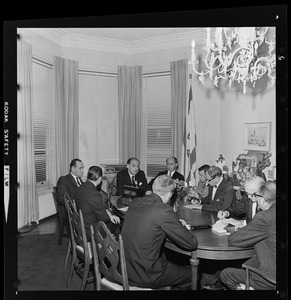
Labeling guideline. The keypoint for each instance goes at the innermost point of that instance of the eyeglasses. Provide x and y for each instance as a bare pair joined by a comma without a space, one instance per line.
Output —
208,180
255,195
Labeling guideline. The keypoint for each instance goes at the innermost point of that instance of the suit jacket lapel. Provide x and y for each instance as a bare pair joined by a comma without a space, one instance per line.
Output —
218,190
72,179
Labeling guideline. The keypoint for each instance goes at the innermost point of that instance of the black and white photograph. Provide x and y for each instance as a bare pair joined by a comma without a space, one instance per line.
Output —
142,153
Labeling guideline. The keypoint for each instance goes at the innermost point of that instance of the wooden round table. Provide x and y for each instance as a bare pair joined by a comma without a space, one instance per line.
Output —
211,245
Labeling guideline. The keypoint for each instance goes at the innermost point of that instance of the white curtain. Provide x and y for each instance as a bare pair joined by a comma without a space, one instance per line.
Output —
66,93
129,109
28,210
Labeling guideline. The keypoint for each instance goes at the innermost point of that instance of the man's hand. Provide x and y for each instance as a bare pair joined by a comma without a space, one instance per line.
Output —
148,193
114,219
185,224
222,214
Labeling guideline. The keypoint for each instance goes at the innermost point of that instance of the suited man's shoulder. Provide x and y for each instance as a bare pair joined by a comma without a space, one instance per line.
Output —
226,184
140,173
179,176
122,172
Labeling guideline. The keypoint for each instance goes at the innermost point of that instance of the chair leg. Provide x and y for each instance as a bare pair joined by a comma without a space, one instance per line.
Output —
247,279
71,269
61,230
85,276
69,250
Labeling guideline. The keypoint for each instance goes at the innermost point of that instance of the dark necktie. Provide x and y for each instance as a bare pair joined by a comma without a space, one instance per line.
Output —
133,180
79,181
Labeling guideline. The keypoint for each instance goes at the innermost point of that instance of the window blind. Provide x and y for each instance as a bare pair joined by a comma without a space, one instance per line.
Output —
99,105
43,120
157,132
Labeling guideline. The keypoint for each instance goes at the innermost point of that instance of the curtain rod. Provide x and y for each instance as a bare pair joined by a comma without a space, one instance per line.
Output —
42,61
162,73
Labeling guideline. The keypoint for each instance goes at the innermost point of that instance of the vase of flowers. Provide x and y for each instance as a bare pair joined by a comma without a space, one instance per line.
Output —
183,192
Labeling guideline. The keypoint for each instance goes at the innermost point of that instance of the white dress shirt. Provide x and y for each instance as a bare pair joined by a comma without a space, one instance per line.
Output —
215,188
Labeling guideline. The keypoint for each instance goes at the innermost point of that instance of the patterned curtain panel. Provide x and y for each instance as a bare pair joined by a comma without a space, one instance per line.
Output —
66,93
178,98
28,210
129,105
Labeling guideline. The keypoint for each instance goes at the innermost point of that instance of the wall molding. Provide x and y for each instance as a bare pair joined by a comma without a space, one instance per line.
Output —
65,40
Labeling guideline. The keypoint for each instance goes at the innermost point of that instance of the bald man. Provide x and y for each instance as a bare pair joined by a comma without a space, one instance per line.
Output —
172,166
244,205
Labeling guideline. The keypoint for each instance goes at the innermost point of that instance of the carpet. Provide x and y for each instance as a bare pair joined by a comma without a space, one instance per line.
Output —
41,264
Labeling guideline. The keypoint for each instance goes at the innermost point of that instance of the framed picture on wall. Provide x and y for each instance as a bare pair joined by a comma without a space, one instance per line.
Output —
257,136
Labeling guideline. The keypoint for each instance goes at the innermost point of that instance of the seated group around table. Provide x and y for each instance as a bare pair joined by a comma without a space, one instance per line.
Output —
150,220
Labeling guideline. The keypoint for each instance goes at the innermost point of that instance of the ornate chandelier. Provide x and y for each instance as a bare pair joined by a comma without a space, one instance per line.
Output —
242,54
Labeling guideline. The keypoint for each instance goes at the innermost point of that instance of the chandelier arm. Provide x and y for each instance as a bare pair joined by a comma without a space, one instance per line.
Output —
242,65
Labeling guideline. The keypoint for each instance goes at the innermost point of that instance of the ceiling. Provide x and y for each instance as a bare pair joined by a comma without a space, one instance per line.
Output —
126,34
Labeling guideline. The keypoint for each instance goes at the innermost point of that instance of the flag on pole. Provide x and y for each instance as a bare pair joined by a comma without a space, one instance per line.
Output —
190,165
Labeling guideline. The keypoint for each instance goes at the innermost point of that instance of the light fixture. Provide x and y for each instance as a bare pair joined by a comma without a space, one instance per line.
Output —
241,54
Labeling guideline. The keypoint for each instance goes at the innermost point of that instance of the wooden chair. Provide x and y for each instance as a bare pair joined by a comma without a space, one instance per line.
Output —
69,249
109,260
81,248
248,269
62,219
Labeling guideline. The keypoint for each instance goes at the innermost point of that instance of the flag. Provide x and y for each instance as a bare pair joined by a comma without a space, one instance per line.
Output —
190,165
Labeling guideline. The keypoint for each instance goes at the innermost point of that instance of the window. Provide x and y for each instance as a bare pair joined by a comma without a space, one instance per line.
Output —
157,138
43,123
98,119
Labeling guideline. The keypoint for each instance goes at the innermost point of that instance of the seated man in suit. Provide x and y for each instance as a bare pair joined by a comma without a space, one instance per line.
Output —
220,194
149,221
133,176
172,166
202,188
70,182
90,201
260,233
244,206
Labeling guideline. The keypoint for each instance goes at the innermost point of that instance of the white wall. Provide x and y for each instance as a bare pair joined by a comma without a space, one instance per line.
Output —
220,113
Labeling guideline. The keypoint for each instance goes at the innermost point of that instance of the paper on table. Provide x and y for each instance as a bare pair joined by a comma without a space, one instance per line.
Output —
220,225
234,222
193,206
123,208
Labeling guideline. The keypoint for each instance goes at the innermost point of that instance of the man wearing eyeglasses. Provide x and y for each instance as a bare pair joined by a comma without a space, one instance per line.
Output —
244,207
260,233
220,194
245,202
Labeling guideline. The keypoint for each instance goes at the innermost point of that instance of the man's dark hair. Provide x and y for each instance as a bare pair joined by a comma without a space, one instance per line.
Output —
74,162
214,171
132,158
94,173
204,168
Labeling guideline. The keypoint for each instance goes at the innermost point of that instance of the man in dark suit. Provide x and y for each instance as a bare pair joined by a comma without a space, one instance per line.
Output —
133,176
260,233
243,206
220,194
172,166
90,201
149,221
70,182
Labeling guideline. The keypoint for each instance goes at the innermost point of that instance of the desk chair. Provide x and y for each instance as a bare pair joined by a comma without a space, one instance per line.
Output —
62,219
109,260
247,285
81,248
